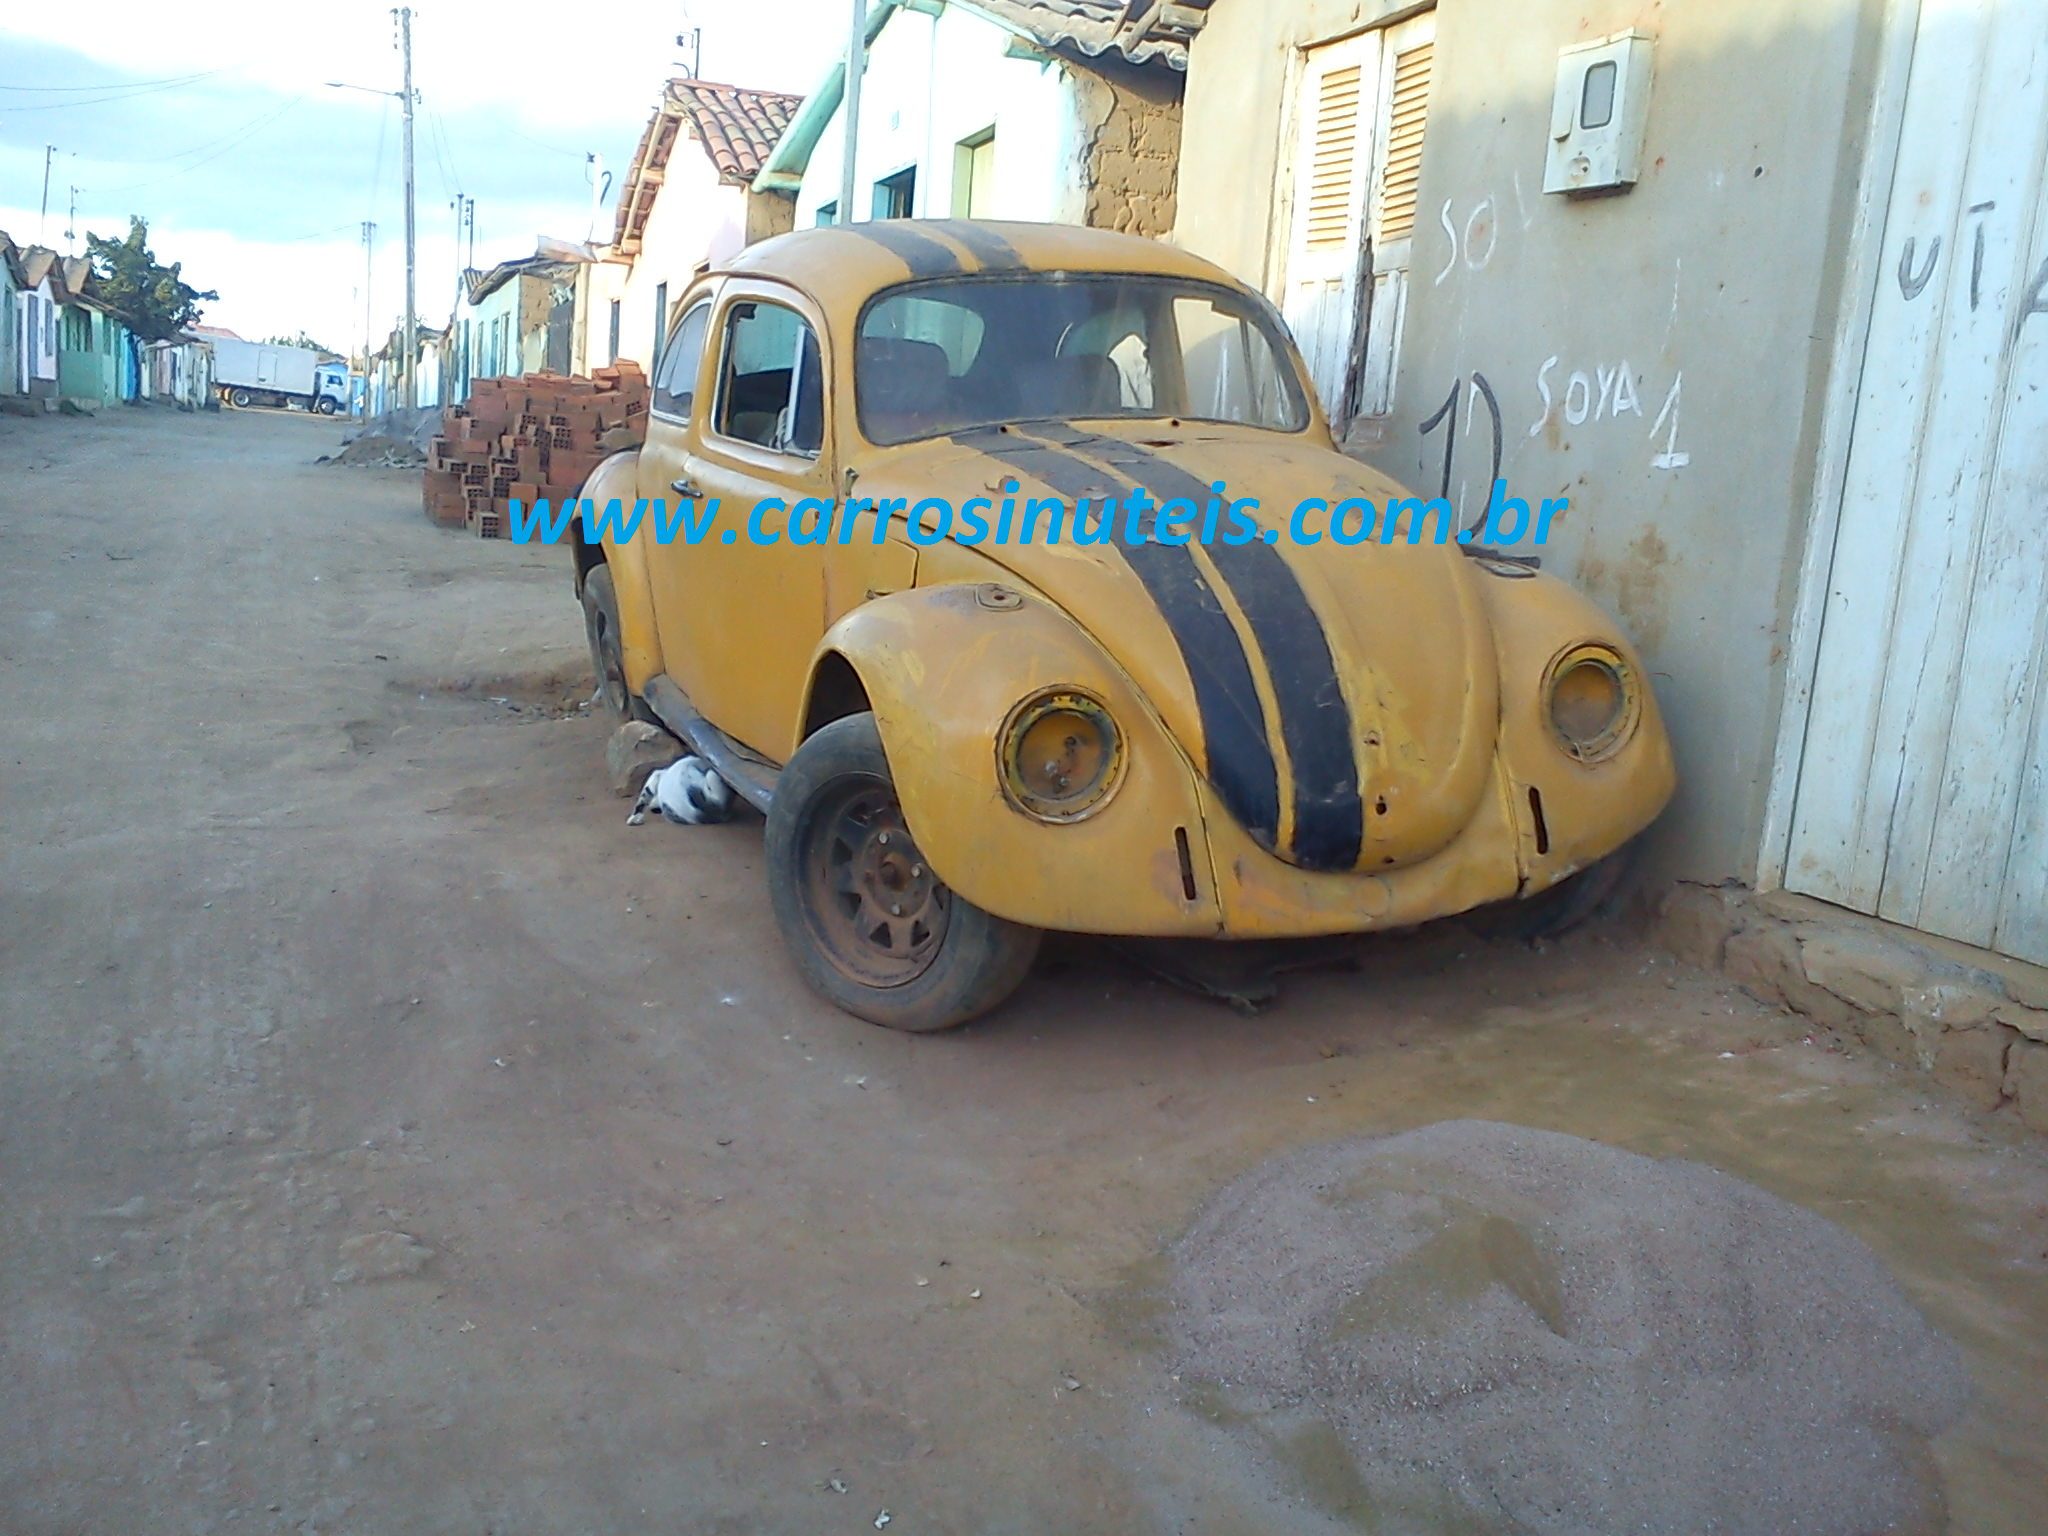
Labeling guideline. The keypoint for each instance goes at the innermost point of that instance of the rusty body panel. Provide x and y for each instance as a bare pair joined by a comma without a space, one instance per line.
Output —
1311,738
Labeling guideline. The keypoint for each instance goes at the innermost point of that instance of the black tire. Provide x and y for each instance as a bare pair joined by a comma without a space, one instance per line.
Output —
601,628
1566,907
239,399
325,405
873,930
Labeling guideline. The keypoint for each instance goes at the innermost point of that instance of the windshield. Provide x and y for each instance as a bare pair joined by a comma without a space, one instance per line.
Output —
943,356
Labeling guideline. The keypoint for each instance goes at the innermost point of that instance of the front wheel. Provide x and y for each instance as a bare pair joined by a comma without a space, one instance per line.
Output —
601,629
239,399
873,929
325,406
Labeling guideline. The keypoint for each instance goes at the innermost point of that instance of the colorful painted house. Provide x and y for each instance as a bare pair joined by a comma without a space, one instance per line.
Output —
32,322
12,281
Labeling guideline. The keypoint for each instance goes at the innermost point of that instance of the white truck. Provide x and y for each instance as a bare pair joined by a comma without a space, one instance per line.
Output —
260,373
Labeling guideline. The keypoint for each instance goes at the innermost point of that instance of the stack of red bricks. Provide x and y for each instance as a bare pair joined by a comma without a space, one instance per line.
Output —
532,438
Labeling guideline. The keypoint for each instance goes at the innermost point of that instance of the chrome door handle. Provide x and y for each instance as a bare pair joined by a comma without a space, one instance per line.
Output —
689,488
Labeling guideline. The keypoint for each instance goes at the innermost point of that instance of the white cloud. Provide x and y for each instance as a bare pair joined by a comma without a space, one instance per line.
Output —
267,209
558,65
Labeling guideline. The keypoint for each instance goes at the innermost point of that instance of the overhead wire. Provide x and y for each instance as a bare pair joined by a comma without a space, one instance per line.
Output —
220,147
196,149
111,93
114,85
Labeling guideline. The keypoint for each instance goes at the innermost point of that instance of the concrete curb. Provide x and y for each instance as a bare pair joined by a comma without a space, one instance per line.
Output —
1981,1033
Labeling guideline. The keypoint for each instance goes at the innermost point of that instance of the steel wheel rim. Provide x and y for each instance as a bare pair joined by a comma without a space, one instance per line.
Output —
876,910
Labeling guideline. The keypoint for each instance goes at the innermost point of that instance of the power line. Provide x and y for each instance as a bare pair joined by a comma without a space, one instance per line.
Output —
200,149
552,148
123,85
444,152
449,184
113,95
223,146
317,234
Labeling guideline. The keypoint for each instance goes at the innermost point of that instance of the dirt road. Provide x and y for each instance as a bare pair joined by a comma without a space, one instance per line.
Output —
392,1139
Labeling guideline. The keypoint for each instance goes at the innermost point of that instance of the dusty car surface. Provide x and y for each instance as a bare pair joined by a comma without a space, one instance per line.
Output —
958,746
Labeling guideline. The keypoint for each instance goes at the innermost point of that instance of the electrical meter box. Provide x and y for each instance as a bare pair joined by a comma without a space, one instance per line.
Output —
1599,114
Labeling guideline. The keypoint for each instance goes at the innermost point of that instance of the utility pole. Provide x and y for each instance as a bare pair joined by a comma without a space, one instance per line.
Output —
369,307
461,207
856,66
43,217
404,15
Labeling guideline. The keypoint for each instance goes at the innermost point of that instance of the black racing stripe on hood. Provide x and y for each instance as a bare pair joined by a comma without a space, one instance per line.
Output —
1240,757
925,256
1315,719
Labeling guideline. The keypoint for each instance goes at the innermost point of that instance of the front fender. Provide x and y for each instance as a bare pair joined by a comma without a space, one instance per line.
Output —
943,667
1568,813
639,644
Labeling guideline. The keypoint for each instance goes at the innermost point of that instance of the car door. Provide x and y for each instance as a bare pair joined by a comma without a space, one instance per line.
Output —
740,628
673,577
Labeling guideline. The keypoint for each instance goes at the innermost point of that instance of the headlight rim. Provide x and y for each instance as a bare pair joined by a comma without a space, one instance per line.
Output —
1621,730
1027,712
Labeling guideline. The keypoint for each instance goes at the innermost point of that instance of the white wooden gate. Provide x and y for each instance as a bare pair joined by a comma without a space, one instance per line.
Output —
1923,786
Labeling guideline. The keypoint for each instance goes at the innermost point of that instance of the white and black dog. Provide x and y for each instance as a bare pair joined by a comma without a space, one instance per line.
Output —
688,792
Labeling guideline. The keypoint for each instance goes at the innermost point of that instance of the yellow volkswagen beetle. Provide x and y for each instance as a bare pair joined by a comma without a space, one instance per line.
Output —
960,742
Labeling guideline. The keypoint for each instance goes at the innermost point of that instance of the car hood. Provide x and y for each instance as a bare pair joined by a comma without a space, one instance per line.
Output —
1342,701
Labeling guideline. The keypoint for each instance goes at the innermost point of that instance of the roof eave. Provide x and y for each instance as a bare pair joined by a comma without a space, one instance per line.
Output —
783,171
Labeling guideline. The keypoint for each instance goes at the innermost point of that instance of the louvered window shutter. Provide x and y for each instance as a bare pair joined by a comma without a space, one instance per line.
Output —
1408,118
1335,151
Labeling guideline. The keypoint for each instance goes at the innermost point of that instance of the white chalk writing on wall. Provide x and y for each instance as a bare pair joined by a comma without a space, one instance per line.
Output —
1606,393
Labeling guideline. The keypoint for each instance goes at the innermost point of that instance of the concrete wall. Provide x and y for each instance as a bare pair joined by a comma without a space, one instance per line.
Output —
598,283
537,298
933,82
695,219
11,379
495,349
1658,356
1096,146
88,354
37,336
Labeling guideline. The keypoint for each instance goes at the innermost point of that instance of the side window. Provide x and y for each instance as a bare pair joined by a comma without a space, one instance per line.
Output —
675,391
770,386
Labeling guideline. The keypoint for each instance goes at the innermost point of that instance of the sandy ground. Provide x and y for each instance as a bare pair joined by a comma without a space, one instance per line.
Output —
391,1139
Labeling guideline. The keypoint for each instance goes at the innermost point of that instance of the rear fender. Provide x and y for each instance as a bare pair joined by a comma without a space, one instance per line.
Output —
943,667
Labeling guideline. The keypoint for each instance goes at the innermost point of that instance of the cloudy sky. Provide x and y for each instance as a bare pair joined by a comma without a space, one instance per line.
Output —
212,119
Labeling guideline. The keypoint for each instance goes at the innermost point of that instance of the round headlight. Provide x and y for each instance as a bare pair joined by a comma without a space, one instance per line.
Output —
1592,702
1060,755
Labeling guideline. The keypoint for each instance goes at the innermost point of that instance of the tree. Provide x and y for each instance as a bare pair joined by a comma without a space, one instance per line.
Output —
301,340
151,299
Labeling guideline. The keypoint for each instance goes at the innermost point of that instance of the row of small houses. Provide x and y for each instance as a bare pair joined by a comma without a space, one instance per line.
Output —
1790,363
1084,101
59,341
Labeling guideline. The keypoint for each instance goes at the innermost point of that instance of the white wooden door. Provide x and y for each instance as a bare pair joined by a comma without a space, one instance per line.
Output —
1923,787
1406,69
1333,174
1362,113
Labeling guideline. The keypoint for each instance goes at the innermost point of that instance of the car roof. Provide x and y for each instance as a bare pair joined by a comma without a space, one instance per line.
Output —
844,264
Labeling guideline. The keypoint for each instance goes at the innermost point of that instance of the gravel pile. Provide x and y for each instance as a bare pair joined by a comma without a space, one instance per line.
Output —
1484,1327
376,451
